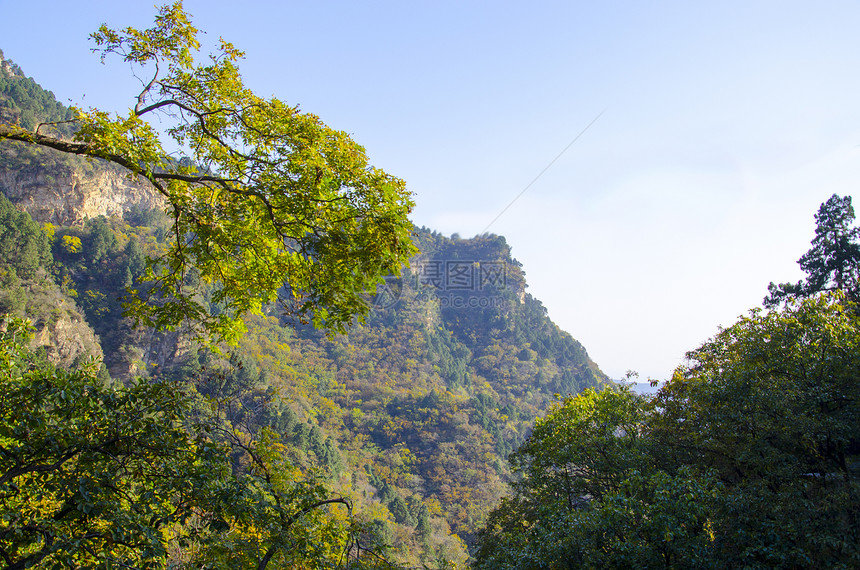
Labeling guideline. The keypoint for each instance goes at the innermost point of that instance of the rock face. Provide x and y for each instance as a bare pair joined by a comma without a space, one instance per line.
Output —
54,187
67,196
148,351
66,339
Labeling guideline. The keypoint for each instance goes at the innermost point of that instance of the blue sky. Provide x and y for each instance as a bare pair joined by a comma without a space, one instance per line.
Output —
724,126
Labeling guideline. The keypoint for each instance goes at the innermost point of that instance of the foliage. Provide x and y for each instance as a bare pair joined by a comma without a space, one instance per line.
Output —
98,475
89,475
748,457
591,496
408,417
399,407
833,262
584,446
771,404
24,247
276,197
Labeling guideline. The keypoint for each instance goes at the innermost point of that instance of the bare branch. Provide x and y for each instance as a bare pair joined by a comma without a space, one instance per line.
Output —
142,96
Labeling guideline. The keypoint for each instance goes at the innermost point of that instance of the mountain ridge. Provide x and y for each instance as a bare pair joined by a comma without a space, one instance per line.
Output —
413,411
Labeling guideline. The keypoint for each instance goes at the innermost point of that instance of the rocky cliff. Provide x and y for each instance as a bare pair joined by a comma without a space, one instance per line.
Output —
67,338
66,194
51,186
60,328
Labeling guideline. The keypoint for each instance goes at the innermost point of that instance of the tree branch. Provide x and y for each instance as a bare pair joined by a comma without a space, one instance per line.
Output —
142,96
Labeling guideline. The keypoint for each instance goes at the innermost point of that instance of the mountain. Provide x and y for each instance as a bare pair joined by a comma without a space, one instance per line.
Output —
53,187
411,413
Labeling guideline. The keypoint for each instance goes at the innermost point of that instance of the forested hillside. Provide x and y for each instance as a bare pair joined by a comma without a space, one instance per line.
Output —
247,356
409,416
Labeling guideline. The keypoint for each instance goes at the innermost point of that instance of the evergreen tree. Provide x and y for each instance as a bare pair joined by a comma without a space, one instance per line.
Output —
24,247
833,262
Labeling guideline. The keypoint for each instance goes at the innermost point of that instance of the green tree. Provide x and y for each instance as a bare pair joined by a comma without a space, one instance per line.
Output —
584,446
103,476
592,496
272,204
771,405
90,475
747,457
833,262
24,247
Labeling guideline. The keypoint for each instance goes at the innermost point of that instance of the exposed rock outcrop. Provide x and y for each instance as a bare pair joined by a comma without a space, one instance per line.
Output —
67,196
147,352
59,326
67,339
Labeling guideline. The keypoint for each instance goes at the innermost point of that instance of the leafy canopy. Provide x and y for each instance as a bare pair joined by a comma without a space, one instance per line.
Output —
89,474
591,496
95,475
746,458
267,202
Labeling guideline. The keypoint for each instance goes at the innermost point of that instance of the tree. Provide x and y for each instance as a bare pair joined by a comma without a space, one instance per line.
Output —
833,262
99,475
771,405
89,474
24,247
584,446
591,495
272,205
746,458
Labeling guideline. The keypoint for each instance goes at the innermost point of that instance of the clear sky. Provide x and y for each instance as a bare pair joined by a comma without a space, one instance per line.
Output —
724,126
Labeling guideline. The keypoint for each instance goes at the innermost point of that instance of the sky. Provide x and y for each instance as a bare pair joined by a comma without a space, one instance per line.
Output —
655,164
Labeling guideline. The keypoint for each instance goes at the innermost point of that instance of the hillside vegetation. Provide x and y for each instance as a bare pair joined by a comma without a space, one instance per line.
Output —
275,369
409,416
